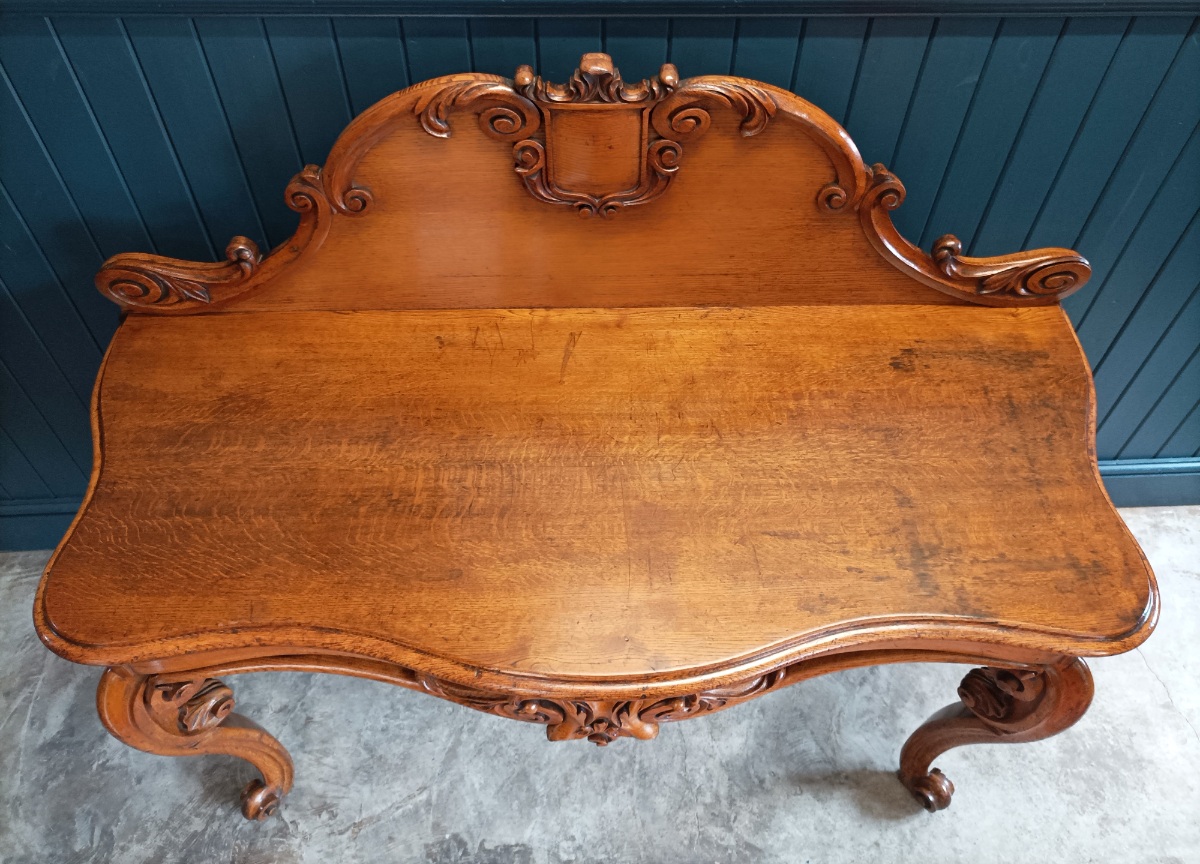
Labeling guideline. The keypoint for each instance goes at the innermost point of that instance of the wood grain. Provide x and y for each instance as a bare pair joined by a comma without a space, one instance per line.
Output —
727,432
604,494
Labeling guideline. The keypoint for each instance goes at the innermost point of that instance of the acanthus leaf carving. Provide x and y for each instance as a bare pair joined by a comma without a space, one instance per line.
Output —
1001,696
597,80
193,706
1039,273
508,115
603,721
1034,277
523,112
137,280
687,111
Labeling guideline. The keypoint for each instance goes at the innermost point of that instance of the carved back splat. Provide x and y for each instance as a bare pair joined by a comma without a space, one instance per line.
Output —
725,191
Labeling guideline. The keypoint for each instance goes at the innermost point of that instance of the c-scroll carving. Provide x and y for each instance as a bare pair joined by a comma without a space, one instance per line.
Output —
645,154
136,281
157,284
603,721
1039,273
996,706
191,715
1032,278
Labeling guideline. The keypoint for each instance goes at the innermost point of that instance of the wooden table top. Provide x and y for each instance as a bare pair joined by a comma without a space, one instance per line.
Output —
594,493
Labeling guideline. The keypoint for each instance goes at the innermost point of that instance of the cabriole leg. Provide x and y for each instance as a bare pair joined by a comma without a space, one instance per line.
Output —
998,706
178,715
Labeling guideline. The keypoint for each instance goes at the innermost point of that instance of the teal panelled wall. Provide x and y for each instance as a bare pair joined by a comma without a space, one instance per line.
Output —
170,134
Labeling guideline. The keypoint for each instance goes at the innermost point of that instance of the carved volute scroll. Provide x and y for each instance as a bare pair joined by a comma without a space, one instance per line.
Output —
598,145
603,721
1034,278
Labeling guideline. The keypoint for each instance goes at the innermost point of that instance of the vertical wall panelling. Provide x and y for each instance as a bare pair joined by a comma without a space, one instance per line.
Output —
561,41
1140,258
1164,128
310,71
436,46
640,44
160,132
828,61
1169,414
182,86
244,71
1079,62
40,325
1154,48
892,58
42,448
1182,442
49,90
115,88
943,94
1007,85
766,49
502,44
1143,381
21,480
703,46
373,59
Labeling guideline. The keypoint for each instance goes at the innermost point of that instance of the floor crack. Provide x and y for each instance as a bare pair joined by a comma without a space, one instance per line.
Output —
1167,690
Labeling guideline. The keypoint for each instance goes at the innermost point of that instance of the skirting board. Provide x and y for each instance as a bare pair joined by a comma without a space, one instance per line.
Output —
1130,482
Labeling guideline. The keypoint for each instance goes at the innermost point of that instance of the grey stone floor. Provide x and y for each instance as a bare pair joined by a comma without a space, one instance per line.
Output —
804,775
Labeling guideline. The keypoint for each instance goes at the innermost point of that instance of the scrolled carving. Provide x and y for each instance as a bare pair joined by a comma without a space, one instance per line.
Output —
195,706
884,189
597,80
1040,273
1035,277
136,280
682,707
603,721
508,115
530,158
306,191
685,112
832,197
524,111
1000,695
190,714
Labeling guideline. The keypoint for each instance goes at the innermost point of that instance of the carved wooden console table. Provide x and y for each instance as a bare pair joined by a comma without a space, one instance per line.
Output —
727,431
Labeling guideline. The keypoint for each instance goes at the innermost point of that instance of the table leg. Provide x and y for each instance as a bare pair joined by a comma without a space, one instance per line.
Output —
182,715
997,706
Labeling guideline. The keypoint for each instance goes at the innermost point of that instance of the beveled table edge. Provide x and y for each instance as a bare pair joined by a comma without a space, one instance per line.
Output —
345,651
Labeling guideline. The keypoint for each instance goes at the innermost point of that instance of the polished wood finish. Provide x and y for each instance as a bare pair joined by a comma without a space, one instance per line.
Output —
997,706
594,405
173,715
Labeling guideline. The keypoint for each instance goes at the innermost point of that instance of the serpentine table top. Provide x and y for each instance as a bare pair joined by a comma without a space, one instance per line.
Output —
727,431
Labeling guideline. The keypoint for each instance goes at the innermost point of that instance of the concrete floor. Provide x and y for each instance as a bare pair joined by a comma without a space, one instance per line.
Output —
804,775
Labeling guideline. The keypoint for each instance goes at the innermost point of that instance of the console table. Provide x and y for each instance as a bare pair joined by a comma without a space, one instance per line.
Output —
595,405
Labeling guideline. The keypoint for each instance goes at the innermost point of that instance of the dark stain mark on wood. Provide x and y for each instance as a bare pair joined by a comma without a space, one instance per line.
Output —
905,361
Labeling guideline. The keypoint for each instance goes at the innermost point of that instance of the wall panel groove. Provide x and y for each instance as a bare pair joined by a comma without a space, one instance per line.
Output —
174,131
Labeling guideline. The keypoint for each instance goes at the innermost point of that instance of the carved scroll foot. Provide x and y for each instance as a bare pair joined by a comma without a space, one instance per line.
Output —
177,715
998,706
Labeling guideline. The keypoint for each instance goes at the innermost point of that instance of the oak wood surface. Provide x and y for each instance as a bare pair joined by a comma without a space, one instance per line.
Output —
605,494
597,405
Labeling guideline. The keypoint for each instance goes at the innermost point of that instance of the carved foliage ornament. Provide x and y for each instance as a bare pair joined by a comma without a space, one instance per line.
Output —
155,283
638,128
193,706
602,721
1035,276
